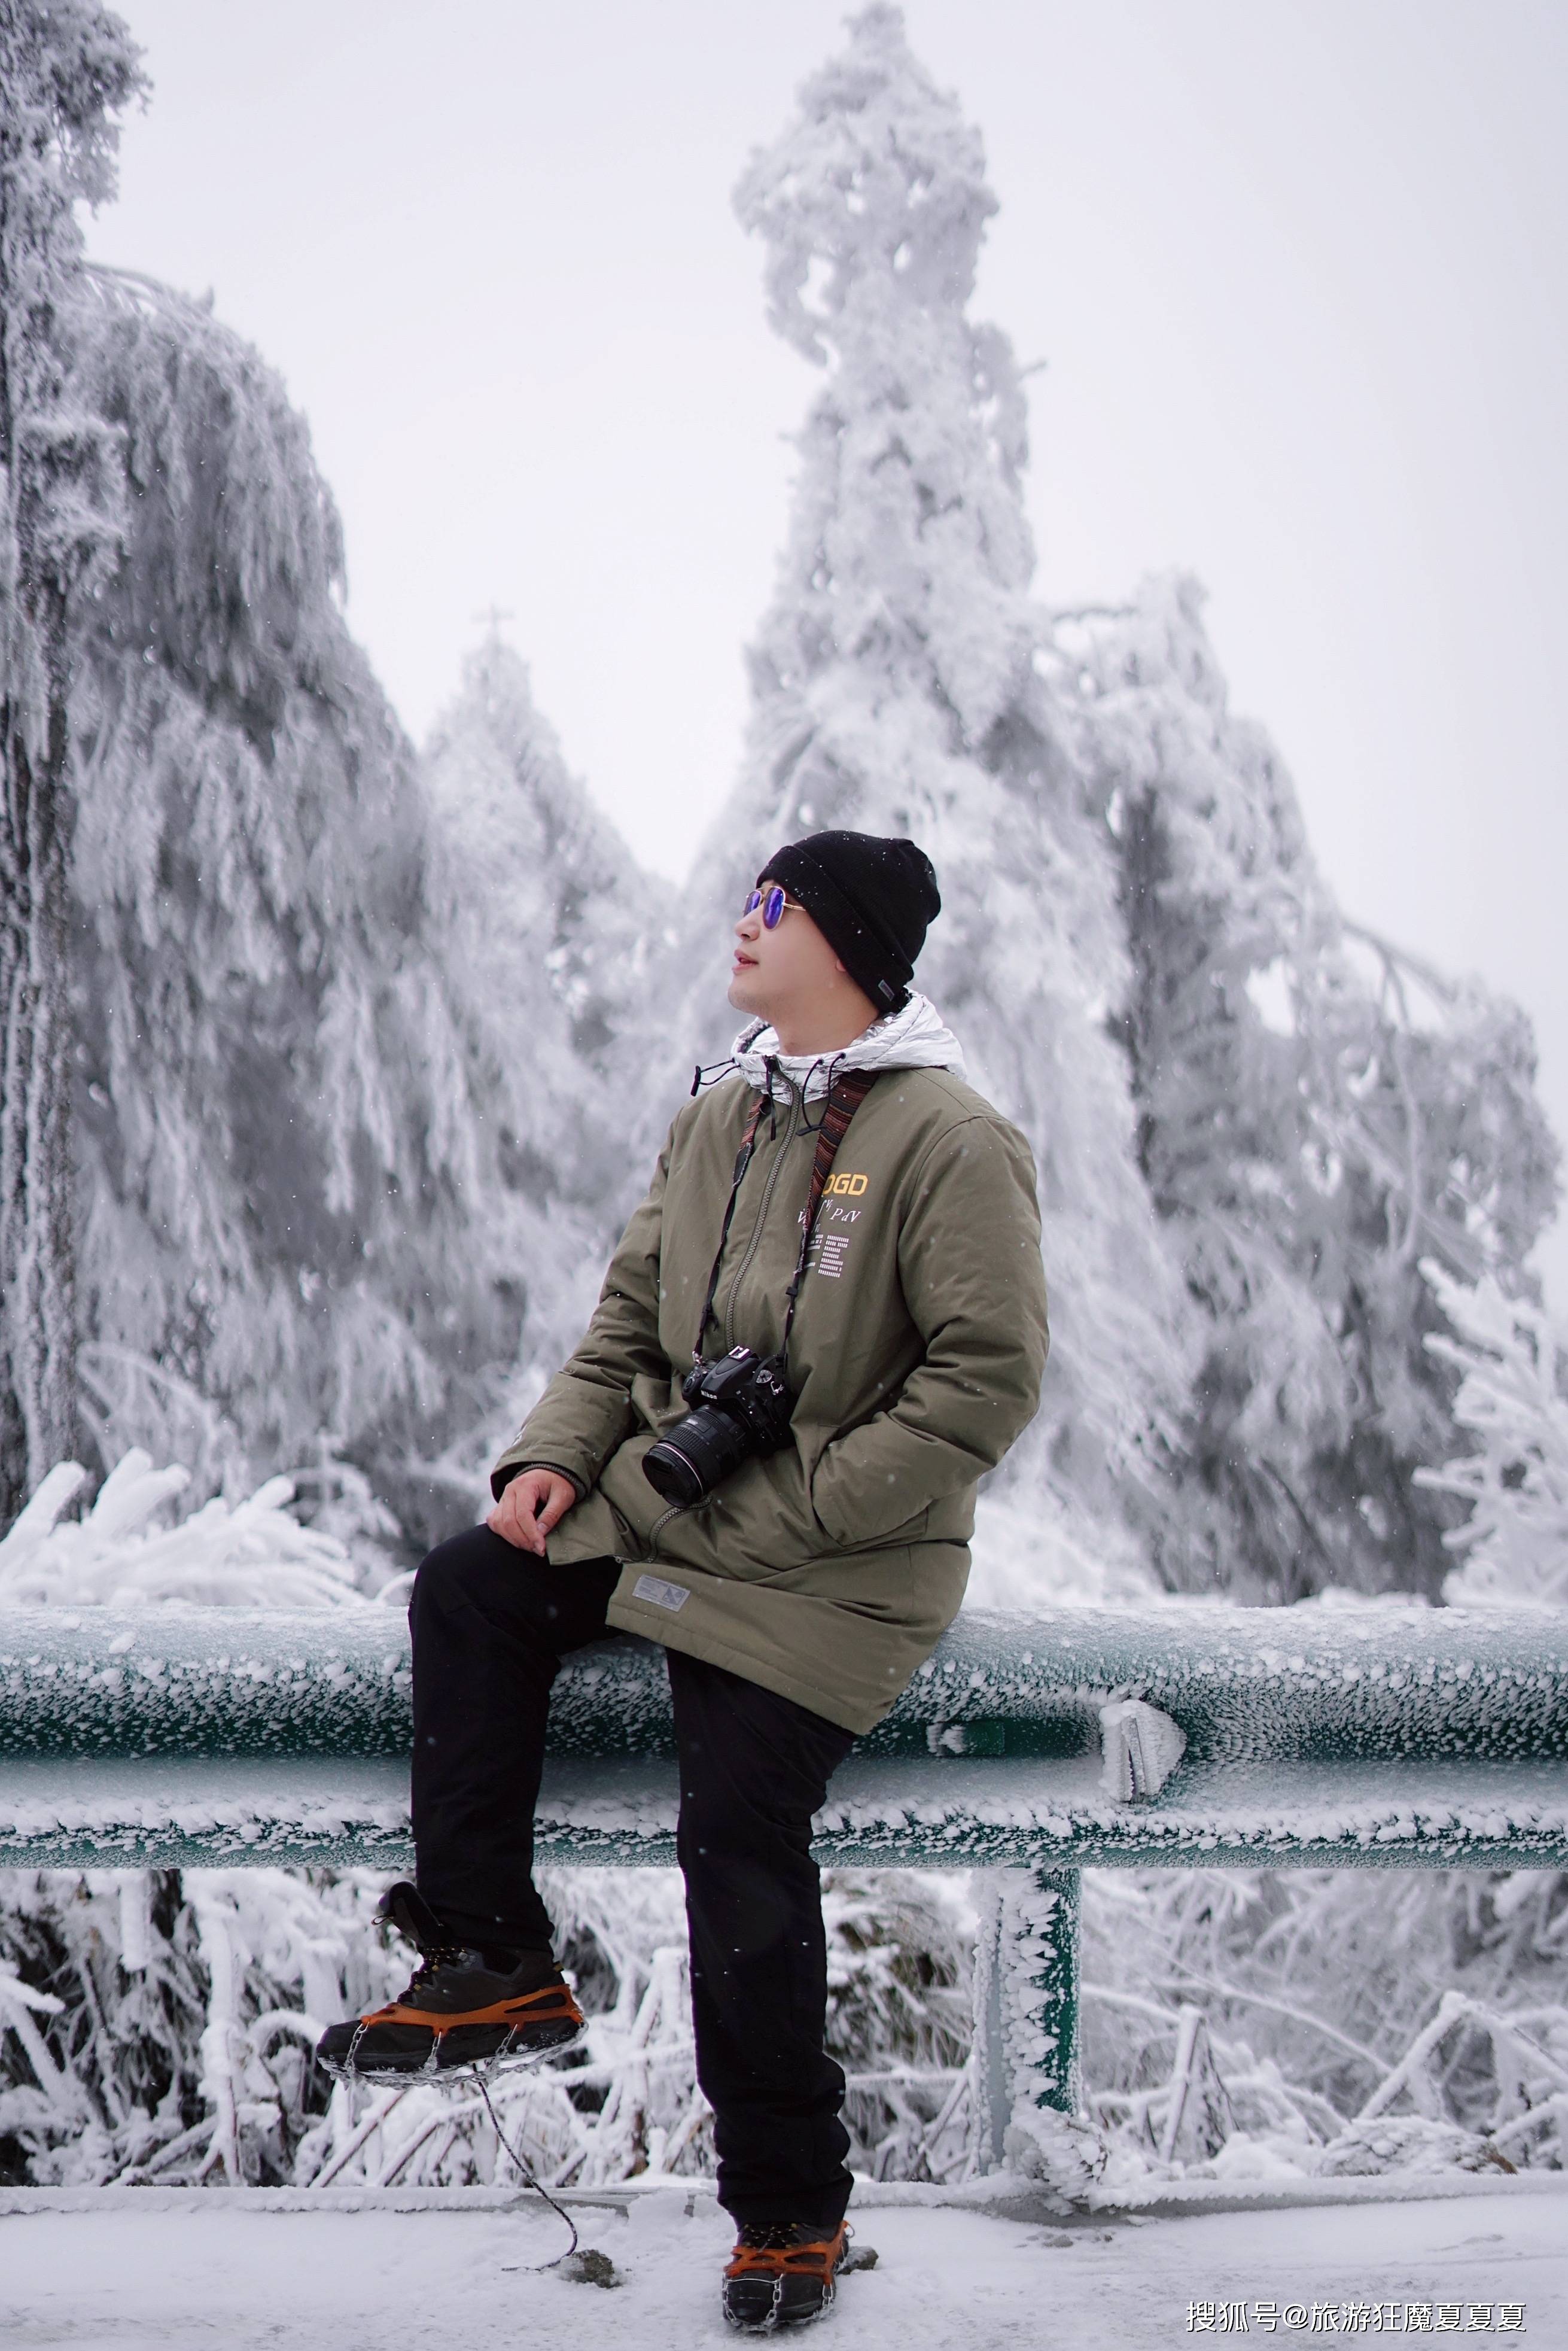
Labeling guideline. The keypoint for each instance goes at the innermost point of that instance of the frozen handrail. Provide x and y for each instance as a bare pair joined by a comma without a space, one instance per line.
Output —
1244,1686
1309,1736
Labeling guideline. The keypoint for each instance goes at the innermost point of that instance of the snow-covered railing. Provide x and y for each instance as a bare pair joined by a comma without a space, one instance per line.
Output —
1028,1746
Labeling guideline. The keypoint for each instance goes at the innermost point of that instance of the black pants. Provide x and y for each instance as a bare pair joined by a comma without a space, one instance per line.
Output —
490,1625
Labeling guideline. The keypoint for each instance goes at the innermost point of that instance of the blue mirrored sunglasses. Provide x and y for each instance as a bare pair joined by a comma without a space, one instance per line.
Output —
775,905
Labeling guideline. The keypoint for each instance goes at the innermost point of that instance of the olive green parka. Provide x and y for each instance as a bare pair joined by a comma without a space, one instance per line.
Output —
828,1571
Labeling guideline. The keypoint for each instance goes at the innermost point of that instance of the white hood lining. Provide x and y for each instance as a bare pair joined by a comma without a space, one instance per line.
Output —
916,1038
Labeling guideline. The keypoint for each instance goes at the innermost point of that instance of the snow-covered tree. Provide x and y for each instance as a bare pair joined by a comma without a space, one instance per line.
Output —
549,939
292,1202
1513,1361
546,933
1315,1111
355,1043
1250,1120
895,690
67,68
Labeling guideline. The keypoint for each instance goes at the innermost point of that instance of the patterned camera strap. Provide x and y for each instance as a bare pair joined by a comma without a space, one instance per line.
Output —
844,1098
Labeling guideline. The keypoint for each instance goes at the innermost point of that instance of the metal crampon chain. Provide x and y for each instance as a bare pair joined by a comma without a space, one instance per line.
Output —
513,2055
479,2071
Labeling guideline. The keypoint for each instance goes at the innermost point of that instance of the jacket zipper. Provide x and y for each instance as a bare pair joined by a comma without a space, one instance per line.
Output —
754,1244
678,1510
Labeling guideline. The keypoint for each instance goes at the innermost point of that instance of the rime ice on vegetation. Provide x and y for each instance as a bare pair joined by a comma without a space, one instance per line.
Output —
543,931
895,690
280,1164
1512,1359
1317,1113
317,1191
371,1052
65,73
250,1554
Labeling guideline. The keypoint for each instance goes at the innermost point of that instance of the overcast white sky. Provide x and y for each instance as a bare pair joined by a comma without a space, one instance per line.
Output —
1297,268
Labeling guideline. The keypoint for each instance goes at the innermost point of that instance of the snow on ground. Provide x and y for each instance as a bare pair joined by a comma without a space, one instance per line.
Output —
133,2271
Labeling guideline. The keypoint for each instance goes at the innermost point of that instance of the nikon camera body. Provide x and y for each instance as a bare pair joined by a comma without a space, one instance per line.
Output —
740,1404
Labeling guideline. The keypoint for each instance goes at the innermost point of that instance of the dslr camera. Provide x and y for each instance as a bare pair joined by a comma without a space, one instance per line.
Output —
741,1406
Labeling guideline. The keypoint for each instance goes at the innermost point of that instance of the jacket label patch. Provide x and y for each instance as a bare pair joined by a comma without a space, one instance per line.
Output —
653,1589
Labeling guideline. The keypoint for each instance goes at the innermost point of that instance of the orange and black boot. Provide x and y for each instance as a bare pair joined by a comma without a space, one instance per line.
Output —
783,2276
463,2007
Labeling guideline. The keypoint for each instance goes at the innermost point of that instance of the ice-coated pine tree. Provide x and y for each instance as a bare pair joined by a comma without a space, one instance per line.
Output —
1316,1112
546,930
65,73
895,690
293,1206
1140,958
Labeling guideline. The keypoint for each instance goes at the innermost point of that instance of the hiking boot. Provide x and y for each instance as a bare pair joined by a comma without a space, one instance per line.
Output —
782,2276
463,2007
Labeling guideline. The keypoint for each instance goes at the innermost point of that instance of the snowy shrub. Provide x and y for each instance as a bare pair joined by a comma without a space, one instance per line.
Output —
1028,1550
899,1952
1237,2025
173,2041
1512,1362
159,2028
1248,2023
248,1554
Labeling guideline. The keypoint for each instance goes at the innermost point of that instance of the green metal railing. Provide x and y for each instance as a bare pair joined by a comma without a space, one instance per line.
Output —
1361,1735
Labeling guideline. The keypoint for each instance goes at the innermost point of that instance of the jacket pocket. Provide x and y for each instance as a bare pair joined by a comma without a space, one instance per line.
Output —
862,1520
788,1487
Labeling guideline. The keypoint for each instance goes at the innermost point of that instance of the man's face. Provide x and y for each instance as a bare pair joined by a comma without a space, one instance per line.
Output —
777,972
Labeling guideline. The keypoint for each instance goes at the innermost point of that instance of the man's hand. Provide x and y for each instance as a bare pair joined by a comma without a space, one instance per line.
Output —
535,1501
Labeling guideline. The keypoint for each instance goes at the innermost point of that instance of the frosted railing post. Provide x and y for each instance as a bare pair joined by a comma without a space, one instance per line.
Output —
990,2093
1026,2003
1049,2005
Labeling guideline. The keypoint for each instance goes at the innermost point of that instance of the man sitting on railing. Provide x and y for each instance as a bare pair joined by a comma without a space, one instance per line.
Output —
825,1320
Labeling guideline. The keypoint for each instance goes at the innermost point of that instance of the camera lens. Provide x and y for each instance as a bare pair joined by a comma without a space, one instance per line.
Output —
698,1451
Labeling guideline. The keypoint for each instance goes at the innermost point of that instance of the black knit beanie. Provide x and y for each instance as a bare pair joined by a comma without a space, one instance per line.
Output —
871,897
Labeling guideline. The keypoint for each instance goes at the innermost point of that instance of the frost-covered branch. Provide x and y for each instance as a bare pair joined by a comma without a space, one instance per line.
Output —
1512,1362
245,1554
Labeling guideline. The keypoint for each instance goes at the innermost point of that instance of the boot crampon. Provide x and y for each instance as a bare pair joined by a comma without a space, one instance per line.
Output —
784,2276
463,2007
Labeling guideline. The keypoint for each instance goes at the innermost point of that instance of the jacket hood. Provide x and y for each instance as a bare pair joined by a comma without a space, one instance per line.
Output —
916,1038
